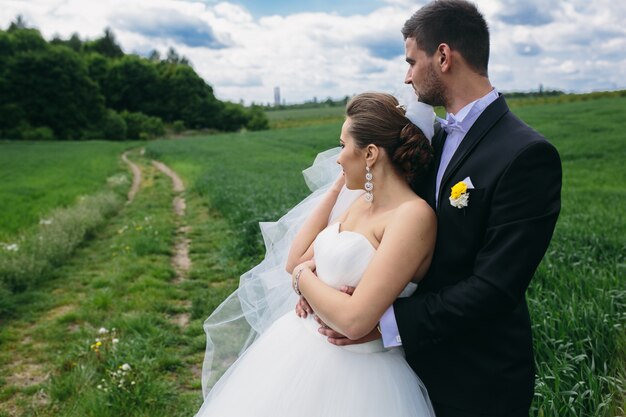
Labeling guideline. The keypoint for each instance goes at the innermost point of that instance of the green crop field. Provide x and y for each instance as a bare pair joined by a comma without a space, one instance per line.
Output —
36,177
305,117
121,277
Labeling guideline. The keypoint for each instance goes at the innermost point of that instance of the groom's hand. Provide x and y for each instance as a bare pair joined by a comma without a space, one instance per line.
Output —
339,339
303,309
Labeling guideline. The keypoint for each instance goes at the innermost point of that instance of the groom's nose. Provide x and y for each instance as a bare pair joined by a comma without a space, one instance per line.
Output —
408,79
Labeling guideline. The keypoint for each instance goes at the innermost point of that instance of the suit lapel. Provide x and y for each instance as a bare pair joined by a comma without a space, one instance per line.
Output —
479,129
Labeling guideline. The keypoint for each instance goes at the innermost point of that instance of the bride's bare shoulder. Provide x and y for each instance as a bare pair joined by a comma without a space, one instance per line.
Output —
415,209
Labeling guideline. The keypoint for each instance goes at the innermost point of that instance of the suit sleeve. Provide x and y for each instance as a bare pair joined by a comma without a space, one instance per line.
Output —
523,212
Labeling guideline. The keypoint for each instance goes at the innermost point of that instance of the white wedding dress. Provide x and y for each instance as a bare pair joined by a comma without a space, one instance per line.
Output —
292,370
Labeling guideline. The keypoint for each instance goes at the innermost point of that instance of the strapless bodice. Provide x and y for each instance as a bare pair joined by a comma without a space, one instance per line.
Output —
341,257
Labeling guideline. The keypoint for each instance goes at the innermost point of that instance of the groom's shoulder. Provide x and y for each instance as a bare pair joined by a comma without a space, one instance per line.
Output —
517,132
520,142
510,139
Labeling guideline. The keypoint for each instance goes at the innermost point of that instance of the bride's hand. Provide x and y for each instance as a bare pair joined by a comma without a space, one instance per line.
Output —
339,183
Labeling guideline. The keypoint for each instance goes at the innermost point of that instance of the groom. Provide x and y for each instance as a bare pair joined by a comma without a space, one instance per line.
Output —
496,189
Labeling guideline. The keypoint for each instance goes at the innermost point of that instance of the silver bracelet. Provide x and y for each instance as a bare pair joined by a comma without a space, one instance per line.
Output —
296,281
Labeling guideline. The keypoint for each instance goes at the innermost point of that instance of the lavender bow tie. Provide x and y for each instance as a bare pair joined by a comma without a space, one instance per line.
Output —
450,125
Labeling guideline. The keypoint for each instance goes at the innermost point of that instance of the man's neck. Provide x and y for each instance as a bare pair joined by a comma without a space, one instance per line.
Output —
467,90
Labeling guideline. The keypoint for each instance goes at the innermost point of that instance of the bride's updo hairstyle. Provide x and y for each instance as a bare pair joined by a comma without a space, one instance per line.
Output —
378,120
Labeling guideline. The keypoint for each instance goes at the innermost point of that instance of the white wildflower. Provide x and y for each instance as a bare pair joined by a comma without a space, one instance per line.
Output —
114,341
45,222
103,330
126,367
13,247
99,386
117,180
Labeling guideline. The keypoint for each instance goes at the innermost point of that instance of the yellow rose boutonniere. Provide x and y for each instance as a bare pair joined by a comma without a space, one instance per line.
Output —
459,197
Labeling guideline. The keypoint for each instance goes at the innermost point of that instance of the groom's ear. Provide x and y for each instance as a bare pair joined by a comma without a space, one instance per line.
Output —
444,57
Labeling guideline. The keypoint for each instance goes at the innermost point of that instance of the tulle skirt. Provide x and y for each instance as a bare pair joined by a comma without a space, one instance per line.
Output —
292,370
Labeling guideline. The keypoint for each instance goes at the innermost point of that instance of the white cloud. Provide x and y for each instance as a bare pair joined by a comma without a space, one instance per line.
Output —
578,37
573,45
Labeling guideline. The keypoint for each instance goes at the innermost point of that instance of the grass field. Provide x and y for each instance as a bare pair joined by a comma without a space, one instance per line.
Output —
305,117
282,118
122,277
36,177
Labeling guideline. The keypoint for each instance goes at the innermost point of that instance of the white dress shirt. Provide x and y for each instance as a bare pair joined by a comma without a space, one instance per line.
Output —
456,126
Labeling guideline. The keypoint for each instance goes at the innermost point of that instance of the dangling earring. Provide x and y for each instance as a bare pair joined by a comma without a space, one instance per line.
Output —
369,197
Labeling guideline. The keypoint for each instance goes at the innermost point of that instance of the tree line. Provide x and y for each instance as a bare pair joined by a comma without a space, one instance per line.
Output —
74,89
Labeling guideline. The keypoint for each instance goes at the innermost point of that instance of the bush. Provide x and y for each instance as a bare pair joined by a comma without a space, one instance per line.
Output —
232,117
89,134
258,120
178,126
140,126
23,130
114,126
37,133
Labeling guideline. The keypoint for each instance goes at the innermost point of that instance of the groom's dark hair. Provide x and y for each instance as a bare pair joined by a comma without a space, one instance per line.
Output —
457,23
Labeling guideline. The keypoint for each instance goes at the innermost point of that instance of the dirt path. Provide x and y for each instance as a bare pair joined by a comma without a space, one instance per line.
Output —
180,260
136,176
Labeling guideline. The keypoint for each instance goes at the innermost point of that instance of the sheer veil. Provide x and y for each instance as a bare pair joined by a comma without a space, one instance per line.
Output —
264,292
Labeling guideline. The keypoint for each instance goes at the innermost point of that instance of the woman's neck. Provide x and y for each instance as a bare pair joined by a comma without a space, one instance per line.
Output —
390,190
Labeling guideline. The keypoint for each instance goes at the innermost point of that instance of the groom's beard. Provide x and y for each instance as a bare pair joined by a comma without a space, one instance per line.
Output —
433,91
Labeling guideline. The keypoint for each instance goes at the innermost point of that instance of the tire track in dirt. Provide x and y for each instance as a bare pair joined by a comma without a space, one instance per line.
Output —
136,176
180,261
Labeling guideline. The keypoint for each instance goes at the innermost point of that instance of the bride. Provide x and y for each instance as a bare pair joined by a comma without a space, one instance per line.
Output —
380,241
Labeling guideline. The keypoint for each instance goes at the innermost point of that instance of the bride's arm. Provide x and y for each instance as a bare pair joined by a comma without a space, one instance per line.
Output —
406,248
302,246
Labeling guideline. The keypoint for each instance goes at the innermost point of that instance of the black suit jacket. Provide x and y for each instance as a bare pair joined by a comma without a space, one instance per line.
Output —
466,331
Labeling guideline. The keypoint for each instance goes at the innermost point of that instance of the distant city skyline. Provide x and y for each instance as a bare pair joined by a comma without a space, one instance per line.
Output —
324,48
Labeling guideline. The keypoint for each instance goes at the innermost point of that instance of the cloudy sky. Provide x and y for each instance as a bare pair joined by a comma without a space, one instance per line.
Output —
333,48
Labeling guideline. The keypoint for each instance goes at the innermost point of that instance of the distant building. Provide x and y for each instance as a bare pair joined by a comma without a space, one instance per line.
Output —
276,96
